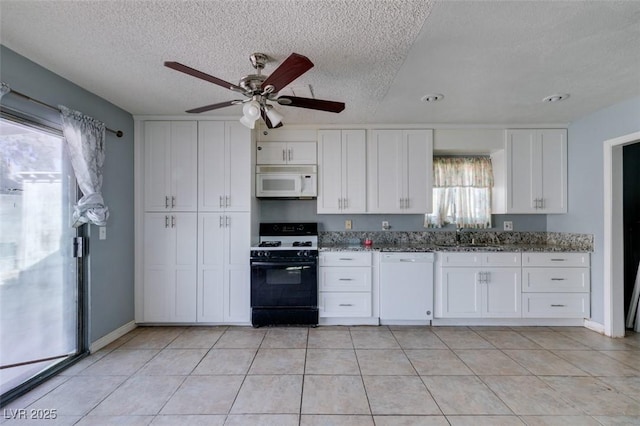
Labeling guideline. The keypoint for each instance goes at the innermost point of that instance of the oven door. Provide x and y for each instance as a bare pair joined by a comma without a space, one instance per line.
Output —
284,283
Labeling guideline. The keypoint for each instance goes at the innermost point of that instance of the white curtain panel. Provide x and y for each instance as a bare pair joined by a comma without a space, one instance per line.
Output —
85,137
461,192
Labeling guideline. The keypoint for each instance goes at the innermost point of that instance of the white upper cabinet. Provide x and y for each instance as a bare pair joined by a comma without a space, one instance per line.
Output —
286,153
536,171
400,170
171,152
342,171
224,166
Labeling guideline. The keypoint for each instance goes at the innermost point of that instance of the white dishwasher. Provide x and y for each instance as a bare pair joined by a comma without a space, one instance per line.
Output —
406,286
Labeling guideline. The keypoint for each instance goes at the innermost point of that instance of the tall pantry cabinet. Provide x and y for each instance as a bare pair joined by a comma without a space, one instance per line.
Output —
196,226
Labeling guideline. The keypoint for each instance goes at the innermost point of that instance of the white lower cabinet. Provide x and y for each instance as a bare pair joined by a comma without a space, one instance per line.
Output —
512,285
556,285
344,284
471,292
169,267
478,285
223,267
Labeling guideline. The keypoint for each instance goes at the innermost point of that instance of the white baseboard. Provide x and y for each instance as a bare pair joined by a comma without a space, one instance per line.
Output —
115,334
595,326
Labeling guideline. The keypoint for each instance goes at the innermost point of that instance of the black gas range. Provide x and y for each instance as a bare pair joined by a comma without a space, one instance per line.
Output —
284,275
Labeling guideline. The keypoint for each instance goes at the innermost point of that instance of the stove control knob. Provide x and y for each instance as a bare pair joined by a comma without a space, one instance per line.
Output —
303,253
260,253
267,253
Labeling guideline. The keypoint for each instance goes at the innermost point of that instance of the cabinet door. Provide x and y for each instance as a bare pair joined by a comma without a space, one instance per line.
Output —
523,165
329,171
212,165
159,272
239,172
460,295
418,169
553,147
211,267
301,153
237,295
157,176
169,267
385,180
502,293
271,153
354,171
183,164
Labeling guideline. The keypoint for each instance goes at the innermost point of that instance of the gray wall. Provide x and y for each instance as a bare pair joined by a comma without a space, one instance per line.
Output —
111,261
305,211
586,184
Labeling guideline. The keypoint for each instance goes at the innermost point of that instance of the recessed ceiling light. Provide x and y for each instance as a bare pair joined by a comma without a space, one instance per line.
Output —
434,97
556,98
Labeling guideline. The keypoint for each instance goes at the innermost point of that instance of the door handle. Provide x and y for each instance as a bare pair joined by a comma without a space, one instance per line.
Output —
284,155
220,221
290,154
166,221
339,203
166,201
173,201
227,200
173,221
344,203
227,221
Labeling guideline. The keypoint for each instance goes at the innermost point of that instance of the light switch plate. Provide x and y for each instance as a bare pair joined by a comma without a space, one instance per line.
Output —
347,224
385,225
103,233
508,225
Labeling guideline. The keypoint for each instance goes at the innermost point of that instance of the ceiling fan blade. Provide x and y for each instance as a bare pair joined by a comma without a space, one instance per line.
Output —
212,107
268,122
319,104
199,74
292,67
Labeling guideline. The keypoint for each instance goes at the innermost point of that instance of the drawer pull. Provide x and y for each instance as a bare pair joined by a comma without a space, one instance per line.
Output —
345,279
558,279
346,304
557,306
407,260
558,260
346,258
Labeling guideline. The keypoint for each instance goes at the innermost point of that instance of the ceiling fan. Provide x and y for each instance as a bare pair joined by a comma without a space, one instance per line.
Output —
261,89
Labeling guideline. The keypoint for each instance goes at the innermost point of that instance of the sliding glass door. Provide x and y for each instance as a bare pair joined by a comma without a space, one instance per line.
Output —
39,297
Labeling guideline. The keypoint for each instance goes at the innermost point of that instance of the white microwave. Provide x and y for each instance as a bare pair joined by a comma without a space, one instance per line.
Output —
286,181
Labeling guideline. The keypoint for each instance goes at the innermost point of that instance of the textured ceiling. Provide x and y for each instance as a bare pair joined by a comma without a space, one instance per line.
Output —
494,61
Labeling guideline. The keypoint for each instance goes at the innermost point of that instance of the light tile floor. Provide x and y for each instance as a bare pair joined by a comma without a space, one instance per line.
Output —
347,376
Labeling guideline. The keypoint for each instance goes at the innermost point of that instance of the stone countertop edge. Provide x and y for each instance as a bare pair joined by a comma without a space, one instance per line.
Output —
539,248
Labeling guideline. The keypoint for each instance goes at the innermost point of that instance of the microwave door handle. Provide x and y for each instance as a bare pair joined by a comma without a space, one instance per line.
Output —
301,184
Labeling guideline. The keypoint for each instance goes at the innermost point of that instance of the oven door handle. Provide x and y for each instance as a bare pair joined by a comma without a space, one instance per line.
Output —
286,264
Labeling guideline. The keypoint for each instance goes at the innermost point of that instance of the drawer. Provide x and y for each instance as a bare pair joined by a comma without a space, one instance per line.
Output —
556,259
342,278
344,304
555,305
556,280
345,258
501,259
480,259
459,259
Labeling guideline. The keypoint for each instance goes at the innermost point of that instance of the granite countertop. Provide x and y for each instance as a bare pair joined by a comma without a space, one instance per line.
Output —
541,248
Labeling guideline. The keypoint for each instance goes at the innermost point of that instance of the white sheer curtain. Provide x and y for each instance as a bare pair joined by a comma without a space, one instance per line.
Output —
85,137
461,192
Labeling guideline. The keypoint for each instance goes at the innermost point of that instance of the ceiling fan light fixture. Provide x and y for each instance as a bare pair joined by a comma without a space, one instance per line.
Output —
556,97
274,116
251,110
251,124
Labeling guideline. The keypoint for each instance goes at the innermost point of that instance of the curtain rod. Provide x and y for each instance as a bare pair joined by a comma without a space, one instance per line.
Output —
118,133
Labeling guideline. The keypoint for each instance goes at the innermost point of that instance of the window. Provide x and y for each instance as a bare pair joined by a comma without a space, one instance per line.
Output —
461,192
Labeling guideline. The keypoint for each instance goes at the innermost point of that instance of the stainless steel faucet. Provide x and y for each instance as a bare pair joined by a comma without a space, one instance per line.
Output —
458,235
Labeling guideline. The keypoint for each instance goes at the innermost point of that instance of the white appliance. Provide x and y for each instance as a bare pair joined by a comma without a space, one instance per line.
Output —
406,286
286,181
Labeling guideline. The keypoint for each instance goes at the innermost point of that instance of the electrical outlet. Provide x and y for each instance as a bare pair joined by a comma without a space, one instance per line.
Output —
347,224
385,225
508,225
103,233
